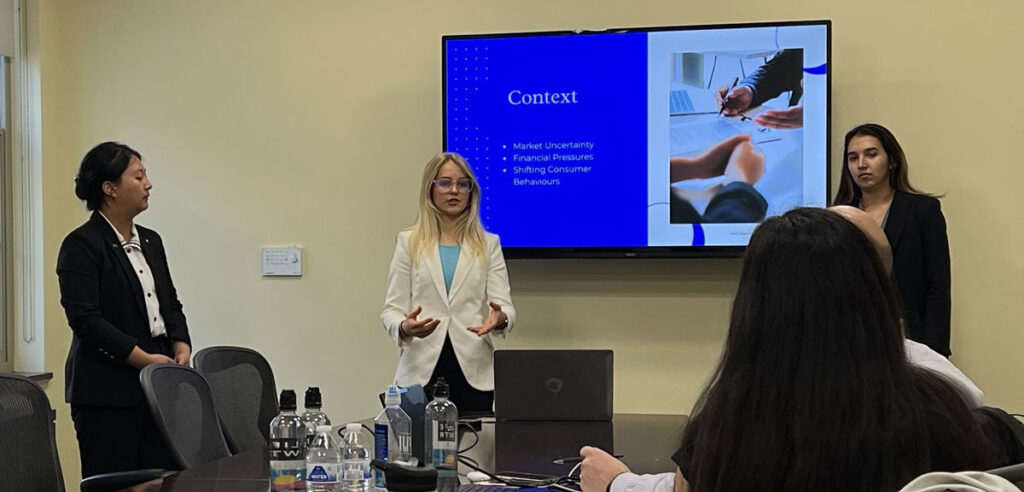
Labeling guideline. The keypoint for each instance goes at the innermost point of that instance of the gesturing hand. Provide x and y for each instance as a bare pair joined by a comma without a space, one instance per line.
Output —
494,320
410,327
599,469
782,118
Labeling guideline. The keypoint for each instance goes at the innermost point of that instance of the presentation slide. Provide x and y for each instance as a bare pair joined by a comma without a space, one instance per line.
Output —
679,138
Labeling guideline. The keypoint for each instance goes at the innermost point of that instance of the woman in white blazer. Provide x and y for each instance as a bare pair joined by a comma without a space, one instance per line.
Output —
447,291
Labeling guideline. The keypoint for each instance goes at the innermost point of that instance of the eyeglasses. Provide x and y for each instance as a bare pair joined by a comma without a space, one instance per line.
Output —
464,185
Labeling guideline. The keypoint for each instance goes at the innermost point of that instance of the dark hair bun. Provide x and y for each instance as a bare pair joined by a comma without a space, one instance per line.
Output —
105,162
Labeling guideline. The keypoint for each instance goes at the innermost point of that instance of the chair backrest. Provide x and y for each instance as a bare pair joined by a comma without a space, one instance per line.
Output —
1006,433
1013,473
244,391
184,411
28,446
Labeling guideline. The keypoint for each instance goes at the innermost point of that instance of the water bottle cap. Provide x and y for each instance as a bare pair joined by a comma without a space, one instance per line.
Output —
313,398
440,388
353,427
392,397
287,400
323,428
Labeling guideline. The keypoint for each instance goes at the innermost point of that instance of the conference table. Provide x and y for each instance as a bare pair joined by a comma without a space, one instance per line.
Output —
646,441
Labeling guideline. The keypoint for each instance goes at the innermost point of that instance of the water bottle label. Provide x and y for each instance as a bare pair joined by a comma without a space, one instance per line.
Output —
286,476
445,445
445,434
322,473
380,451
380,442
287,449
444,457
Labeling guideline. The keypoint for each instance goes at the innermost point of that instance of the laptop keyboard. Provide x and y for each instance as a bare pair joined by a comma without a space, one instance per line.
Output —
472,487
680,103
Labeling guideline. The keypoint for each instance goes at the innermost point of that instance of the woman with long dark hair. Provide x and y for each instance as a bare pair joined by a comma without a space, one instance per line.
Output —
814,390
875,180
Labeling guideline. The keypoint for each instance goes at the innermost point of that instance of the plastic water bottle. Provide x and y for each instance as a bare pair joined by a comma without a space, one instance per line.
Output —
287,447
355,460
392,433
323,463
313,417
441,426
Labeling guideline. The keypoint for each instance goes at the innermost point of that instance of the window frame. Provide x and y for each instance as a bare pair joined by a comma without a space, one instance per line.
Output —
7,335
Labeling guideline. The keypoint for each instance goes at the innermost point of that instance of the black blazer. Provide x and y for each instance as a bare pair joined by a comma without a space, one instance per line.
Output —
103,301
916,230
782,73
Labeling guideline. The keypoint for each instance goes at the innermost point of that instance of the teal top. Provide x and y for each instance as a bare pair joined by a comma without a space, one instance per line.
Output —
449,258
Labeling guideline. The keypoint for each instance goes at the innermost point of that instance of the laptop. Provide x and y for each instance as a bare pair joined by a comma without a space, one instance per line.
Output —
526,446
553,385
692,101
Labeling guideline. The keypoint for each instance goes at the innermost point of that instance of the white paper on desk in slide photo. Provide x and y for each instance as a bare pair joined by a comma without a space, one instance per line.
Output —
697,136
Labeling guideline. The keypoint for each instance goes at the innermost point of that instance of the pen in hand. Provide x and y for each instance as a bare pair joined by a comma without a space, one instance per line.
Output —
725,100
576,459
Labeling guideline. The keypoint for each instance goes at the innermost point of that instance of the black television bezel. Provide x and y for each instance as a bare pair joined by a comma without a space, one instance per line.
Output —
648,251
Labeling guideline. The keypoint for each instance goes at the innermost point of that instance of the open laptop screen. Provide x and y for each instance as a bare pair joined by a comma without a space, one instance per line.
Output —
553,385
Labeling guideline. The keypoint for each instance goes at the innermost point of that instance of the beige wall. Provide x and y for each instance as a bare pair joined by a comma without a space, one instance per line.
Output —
270,123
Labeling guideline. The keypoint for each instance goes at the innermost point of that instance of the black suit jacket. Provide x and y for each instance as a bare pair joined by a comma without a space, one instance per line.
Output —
735,202
916,230
103,301
782,73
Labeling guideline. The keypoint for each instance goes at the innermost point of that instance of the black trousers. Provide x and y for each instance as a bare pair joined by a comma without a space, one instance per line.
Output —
114,439
118,439
465,397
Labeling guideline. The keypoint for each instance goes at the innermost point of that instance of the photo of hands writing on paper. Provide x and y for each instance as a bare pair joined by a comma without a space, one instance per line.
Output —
735,135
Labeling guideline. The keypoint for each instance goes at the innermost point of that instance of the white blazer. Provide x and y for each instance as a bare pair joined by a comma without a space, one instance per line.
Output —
477,281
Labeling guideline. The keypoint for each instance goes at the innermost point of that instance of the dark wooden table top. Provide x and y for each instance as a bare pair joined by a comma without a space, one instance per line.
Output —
647,441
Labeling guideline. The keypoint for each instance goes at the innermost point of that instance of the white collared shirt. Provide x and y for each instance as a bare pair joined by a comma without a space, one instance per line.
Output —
921,355
133,248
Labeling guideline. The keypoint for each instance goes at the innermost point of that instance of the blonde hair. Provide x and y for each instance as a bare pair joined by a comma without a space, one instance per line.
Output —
426,231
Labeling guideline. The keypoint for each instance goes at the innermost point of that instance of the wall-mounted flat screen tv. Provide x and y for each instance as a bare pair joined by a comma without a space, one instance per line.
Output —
662,141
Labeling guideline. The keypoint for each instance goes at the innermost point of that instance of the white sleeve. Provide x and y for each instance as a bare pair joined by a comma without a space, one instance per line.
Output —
959,482
921,355
498,289
631,482
398,294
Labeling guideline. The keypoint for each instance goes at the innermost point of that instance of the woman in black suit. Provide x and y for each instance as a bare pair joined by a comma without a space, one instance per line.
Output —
875,180
117,293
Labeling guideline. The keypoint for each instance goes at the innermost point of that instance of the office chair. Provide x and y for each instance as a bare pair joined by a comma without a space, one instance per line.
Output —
243,391
1013,473
184,412
29,447
1006,433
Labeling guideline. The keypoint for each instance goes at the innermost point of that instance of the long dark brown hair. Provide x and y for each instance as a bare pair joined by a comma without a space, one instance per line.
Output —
849,193
814,390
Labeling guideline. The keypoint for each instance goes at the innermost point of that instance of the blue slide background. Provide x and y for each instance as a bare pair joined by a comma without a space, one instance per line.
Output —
603,208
